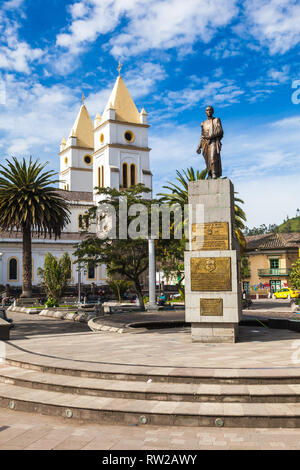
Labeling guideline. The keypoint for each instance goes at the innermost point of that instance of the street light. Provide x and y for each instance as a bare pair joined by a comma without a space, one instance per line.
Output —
79,282
152,278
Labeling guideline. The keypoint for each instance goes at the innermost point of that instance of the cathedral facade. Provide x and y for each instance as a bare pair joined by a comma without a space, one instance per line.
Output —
111,152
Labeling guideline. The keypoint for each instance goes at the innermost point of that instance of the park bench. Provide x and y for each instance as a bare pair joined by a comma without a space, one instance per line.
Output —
24,302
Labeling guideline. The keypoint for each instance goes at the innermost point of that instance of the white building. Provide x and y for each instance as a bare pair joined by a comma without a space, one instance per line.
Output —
111,152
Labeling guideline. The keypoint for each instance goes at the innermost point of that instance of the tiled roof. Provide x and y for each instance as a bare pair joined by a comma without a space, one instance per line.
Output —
273,241
85,196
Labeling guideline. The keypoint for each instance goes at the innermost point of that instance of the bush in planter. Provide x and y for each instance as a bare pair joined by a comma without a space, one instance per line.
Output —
55,275
51,302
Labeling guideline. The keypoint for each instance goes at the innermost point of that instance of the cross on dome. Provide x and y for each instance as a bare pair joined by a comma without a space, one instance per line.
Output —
119,68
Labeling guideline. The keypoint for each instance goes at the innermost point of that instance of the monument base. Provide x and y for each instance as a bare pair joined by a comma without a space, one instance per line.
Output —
212,282
214,332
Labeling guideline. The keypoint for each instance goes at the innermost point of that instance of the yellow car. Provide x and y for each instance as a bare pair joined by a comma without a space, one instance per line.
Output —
286,293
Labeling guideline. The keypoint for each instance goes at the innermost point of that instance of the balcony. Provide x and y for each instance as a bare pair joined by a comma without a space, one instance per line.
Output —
273,272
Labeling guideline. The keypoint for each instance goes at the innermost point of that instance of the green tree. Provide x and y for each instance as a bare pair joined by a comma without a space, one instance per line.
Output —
56,275
119,287
123,257
170,253
295,275
245,267
29,202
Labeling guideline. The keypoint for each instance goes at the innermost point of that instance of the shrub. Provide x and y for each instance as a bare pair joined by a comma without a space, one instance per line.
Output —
51,302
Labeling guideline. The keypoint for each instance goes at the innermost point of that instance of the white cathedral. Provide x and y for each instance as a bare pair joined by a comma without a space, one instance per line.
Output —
112,152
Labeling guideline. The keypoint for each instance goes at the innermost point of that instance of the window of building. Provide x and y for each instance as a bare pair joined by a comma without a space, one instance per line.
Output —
13,269
274,263
132,174
125,175
101,176
91,271
129,136
88,159
83,222
246,286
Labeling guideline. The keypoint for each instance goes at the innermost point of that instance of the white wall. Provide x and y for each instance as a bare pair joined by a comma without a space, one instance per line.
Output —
39,250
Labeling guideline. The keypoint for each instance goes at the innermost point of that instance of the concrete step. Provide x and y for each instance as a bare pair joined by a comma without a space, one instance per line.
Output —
149,390
142,373
118,410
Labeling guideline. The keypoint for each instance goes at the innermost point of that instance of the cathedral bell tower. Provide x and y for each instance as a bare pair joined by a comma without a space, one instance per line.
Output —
76,154
121,152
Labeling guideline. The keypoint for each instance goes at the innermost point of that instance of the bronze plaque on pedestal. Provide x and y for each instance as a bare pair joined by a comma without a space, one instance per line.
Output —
211,274
210,236
211,307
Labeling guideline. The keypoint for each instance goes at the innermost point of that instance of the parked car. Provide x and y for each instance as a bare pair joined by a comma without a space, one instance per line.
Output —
286,293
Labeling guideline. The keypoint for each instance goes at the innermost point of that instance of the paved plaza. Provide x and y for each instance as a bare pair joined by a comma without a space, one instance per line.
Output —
52,342
36,432
72,344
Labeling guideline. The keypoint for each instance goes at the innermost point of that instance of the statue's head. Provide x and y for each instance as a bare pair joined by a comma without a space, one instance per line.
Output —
209,111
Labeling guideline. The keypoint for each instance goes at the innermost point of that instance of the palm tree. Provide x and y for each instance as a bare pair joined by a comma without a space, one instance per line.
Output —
179,195
30,202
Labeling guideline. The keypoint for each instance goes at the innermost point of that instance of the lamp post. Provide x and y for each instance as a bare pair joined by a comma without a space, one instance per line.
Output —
79,282
152,298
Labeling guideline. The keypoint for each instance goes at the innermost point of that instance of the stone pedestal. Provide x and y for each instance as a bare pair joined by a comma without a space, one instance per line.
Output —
212,284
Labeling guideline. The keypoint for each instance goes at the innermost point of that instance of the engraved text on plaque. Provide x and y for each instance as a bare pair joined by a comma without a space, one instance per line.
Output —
210,236
211,307
211,274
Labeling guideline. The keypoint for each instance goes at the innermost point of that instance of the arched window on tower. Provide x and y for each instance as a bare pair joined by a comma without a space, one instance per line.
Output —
101,176
13,274
132,174
125,175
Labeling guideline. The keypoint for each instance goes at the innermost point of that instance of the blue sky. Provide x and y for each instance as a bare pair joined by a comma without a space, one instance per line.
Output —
178,56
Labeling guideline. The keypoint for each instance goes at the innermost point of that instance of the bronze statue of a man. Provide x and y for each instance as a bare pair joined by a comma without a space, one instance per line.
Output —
210,143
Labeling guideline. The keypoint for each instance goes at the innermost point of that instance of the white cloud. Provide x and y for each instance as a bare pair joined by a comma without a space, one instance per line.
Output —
15,54
35,117
280,76
225,49
12,4
18,56
274,23
262,160
163,24
260,150
221,92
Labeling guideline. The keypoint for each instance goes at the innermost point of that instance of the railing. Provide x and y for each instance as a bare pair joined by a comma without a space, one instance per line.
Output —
274,272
